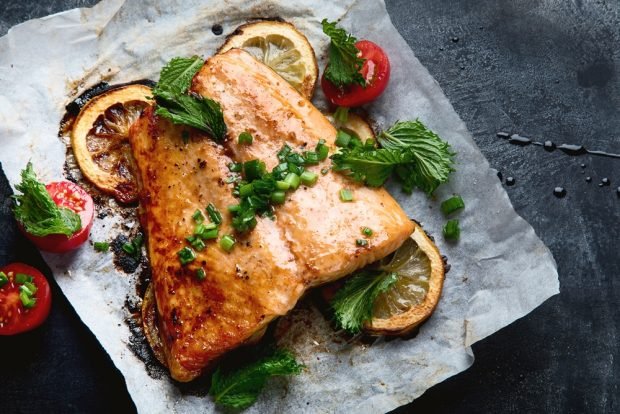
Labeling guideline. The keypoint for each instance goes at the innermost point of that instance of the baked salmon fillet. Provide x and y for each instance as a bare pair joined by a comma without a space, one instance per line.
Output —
310,241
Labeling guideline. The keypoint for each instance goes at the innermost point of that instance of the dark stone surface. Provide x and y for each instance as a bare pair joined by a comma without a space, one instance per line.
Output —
546,69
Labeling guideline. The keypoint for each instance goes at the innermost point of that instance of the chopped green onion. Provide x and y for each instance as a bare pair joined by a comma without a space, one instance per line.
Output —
294,158
101,246
370,143
129,248
245,138
30,286
198,244
4,279
452,204
346,195
227,242
355,142
280,170
201,274
451,230
211,234
27,300
204,227
342,139
361,242
293,181
234,208
324,171
246,190
205,231
278,197
186,255
282,185
235,167
191,239
21,278
198,217
214,214
341,114
25,289
311,158
295,169
254,169
284,151
231,179
367,231
308,178
322,150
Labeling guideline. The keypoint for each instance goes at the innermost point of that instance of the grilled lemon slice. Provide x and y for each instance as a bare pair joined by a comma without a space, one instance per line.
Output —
100,139
283,48
414,296
149,323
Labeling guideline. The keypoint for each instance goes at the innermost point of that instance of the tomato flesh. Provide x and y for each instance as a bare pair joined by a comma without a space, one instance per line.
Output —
72,196
376,72
14,317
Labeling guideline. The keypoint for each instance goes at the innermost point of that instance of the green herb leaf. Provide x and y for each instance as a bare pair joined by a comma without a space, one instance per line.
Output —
175,104
432,160
38,213
344,63
372,167
353,303
240,389
176,77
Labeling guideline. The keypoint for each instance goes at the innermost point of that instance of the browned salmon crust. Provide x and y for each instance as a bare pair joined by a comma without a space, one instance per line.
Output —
310,242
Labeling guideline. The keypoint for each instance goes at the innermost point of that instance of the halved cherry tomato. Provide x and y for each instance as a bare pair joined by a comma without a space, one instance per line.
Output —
14,316
72,196
376,71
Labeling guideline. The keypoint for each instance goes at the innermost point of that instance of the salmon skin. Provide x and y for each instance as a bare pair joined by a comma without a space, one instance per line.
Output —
310,241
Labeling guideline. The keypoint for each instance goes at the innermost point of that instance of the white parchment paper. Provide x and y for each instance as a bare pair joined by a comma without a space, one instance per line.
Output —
500,269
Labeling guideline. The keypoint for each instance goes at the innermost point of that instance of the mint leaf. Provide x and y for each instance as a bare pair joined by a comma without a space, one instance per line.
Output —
240,389
344,63
353,304
38,213
176,105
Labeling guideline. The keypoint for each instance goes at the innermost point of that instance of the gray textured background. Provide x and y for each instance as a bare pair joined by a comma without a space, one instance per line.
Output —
548,69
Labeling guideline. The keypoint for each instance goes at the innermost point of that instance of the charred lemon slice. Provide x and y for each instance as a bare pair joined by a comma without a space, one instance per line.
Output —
354,124
283,48
149,323
414,296
100,139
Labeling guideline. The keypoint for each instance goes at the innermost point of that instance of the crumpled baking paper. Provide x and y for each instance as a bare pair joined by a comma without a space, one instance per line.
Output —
500,269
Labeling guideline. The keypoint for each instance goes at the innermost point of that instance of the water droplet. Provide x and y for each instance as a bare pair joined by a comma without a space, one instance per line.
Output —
588,179
510,181
441,49
455,39
217,29
549,146
462,67
519,140
503,135
618,191
559,192
605,181
573,149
